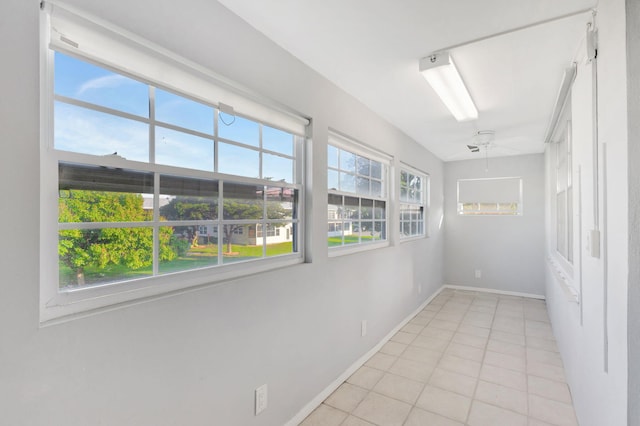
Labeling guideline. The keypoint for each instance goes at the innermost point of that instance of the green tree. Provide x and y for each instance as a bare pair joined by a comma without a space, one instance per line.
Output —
79,249
200,208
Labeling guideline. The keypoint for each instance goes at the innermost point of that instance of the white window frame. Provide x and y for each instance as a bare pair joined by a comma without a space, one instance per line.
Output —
423,203
352,146
564,189
58,305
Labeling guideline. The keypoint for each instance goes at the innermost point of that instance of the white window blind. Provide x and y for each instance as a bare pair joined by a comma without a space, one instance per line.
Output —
496,190
78,33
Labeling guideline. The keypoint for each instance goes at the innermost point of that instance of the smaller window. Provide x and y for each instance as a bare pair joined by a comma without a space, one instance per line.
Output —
413,202
357,202
490,197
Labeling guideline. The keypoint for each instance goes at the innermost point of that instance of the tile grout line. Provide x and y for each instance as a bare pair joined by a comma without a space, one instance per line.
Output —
484,354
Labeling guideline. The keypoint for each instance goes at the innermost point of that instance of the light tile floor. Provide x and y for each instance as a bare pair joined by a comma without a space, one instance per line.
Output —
468,358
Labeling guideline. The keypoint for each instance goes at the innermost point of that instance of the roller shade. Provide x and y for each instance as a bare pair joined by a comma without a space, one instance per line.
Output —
97,178
498,190
77,33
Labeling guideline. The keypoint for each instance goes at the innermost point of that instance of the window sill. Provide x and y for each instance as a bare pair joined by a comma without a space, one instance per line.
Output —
356,248
81,302
564,280
412,238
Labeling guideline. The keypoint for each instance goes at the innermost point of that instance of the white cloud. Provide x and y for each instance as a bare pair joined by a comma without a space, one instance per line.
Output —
108,81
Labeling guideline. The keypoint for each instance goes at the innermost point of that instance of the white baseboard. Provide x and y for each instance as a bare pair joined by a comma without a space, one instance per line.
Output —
315,402
491,290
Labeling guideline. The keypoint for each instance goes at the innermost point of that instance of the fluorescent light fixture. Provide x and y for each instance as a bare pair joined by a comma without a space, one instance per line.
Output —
443,76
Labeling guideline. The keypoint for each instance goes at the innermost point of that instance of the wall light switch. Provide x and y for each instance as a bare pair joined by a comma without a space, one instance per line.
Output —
363,328
478,273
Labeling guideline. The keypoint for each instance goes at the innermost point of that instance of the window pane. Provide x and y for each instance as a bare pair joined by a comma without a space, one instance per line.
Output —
347,161
334,207
561,223
277,168
86,82
414,228
188,199
404,179
417,183
404,194
406,229
277,140
332,156
334,215
347,182
98,256
238,129
380,231
366,207
100,194
243,202
364,168
376,169
351,211
332,180
379,211
183,112
376,188
86,131
235,160
351,208
183,150
404,184
239,243
188,247
363,186
282,240
366,231
281,203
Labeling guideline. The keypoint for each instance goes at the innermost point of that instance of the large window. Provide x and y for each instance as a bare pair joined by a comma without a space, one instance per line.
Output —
153,181
413,202
164,215
358,200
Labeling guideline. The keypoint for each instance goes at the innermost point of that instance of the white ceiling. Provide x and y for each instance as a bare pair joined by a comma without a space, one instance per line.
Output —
371,49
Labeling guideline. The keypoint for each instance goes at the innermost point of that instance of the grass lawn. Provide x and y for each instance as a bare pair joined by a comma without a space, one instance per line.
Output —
197,257
348,239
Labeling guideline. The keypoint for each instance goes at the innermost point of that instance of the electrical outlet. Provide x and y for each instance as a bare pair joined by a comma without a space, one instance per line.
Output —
419,288
478,273
363,328
261,399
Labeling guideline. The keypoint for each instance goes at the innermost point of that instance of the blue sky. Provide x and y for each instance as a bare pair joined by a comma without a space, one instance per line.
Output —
88,131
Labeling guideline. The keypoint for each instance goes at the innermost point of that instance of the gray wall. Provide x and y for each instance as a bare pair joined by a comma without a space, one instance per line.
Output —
633,105
195,358
509,250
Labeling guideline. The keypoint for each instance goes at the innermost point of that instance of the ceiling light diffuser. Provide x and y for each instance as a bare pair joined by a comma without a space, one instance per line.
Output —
444,78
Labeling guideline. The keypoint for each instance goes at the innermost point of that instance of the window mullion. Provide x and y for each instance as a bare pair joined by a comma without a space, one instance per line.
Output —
264,213
156,221
220,221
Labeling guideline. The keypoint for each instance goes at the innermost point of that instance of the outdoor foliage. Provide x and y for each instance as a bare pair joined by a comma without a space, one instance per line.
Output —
131,247
199,208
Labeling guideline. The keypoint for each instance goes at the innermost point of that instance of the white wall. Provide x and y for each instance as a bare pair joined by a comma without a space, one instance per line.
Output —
509,250
598,342
195,358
